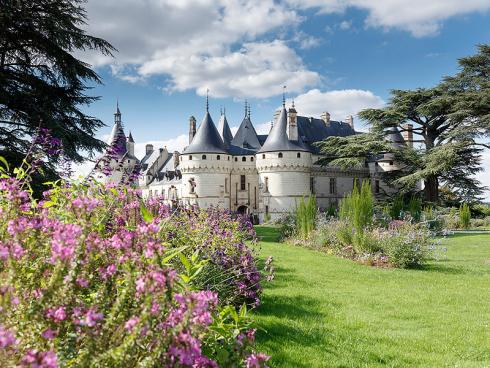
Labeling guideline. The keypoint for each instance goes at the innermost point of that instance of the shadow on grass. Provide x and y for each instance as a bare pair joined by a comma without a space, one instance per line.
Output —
268,233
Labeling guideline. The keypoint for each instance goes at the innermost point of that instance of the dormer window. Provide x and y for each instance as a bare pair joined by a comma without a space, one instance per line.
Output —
263,156
298,155
203,157
218,157
236,159
252,159
244,159
190,158
279,155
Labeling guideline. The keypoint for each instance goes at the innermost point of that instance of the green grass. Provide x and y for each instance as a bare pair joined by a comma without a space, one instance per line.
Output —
324,311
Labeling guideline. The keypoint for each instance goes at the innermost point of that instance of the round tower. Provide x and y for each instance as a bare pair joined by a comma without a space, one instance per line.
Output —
284,166
206,165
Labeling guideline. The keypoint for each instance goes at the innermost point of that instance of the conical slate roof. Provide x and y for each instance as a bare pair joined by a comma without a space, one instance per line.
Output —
117,139
224,131
278,138
246,136
394,136
207,138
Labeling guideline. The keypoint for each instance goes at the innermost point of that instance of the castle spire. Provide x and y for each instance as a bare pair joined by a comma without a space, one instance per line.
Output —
284,96
245,107
207,100
117,115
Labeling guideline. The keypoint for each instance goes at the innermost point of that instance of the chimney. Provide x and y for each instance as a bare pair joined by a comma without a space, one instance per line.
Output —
350,120
293,125
176,159
192,128
149,148
407,134
325,116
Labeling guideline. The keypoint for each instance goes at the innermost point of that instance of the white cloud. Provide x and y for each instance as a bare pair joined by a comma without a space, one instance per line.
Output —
339,103
200,44
419,17
258,69
174,144
345,25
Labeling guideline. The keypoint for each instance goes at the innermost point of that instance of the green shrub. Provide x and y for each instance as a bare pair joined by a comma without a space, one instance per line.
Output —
287,226
366,242
407,247
396,208
305,216
357,208
432,219
415,208
464,216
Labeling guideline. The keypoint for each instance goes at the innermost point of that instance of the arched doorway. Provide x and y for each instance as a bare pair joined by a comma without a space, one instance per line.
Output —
242,210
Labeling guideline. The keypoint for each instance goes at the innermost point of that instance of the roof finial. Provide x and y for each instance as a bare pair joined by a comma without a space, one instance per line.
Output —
293,103
246,108
221,111
207,99
224,111
284,96
248,111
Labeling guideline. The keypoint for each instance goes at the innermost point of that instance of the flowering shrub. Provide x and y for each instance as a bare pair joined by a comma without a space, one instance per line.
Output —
90,276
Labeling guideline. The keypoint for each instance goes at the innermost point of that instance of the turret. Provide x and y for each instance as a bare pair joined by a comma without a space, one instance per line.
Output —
293,123
192,128
130,144
224,130
325,116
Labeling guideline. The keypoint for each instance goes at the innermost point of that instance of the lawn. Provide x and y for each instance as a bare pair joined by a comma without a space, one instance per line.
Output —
323,311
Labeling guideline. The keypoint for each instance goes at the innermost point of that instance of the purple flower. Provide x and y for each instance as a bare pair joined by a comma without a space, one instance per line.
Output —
130,323
7,338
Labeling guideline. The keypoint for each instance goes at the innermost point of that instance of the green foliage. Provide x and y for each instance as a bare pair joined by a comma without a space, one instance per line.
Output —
42,85
396,208
407,247
305,216
415,207
358,207
464,216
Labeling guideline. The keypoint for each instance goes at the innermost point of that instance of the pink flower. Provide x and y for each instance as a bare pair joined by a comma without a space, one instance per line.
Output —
82,282
130,323
7,338
49,334
56,314
256,360
92,317
36,359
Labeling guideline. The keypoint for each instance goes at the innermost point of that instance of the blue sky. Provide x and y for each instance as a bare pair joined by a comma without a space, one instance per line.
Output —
334,55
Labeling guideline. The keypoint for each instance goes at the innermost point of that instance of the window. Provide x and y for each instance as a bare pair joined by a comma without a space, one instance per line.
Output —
266,210
244,159
203,157
252,159
279,155
333,186
226,185
312,185
266,184
298,155
218,157
391,163
190,158
192,184
228,158
376,186
236,159
263,156
242,182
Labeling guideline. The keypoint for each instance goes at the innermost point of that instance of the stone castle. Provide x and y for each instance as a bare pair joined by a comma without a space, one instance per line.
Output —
260,175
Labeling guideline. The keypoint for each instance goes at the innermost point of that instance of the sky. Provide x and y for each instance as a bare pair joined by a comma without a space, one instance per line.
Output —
339,56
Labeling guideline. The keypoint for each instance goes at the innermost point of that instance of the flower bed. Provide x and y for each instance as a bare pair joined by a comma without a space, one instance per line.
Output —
92,276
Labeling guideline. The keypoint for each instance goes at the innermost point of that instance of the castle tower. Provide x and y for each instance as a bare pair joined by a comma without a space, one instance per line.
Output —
118,162
284,167
292,123
205,165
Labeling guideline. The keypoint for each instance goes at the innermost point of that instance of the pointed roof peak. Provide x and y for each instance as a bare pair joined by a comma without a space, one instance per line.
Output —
207,138
278,140
207,100
224,130
130,138
246,136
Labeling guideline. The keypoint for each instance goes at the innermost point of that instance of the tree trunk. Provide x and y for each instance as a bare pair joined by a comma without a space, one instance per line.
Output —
431,189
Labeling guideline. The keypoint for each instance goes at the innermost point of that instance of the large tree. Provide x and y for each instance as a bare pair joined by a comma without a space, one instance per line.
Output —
42,83
451,123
